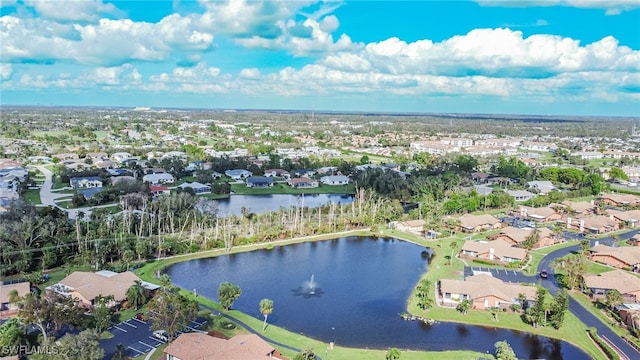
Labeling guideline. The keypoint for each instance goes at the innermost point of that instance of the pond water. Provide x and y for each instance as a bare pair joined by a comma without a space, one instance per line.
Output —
360,286
266,203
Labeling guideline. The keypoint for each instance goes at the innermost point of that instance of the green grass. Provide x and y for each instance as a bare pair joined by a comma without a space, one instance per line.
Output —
106,335
32,196
279,188
595,268
592,307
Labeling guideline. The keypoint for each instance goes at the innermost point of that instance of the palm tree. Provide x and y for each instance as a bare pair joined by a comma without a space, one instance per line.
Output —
266,308
136,294
165,282
464,306
120,353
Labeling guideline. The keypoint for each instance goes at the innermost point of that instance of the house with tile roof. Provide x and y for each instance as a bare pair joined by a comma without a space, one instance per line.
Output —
599,224
198,188
518,236
302,183
478,223
484,291
541,214
619,199
195,345
415,226
158,178
498,251
86,286
579,208
7,309
625,257
630,218
85,182
627,284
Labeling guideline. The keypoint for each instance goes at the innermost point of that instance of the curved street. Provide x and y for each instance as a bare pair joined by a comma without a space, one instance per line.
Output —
625,350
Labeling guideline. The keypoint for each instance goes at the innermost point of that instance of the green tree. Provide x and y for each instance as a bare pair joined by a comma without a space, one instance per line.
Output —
84,346
392,354
423,291
614,298
12,334
573,266
617,173
364,160
538,313
227,294
136,295
102,313
306,354
172,311
49,313
532,239
559,308
266,308
464,306
504,351
120,354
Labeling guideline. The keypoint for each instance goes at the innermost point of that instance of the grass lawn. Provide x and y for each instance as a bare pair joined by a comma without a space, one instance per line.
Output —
279,188
585,301
32,196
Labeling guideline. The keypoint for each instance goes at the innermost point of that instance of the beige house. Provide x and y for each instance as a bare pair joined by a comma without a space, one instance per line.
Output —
478,223
629,218
579,208
484,291
626,283
619,199
86,286
599,224
542,214
192,346
517,236
416,226
498,251
627,257
7,309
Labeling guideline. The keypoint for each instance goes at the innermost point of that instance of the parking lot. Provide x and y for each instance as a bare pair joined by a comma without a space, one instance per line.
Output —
502,274
137,337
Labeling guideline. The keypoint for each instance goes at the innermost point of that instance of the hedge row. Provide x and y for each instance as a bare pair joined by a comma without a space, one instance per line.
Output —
608,351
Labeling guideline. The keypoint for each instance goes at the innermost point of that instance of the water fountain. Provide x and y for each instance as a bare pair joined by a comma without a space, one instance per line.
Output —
310,286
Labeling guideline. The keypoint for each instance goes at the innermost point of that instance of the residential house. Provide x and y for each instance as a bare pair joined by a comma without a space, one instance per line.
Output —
579,208
120,157
238,174
191,346
157,190
86,286
85,182
302,183
635,240
161,178
498,251
628,219
517,237
543,187
619,199
7,309
480,177
484,291
588,155
179,155
123,180
304,172
197,187
259,182
414,226
277,173
599,224
89,193
541,214
477,223
627,284
521,195
627,257
334,180
433,147
630,314
327,170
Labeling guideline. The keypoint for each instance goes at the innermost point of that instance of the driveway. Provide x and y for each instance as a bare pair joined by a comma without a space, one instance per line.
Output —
137,337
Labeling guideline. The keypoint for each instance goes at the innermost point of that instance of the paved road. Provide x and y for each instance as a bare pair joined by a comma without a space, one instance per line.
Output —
552,286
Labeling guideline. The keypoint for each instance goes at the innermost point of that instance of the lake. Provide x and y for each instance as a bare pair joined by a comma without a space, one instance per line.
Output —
361,286
266,203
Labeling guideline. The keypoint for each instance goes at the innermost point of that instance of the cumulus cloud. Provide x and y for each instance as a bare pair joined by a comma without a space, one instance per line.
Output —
109,42
79,10
5,71
611,7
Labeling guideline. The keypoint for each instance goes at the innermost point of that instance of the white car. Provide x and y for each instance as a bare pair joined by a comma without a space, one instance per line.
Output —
161,335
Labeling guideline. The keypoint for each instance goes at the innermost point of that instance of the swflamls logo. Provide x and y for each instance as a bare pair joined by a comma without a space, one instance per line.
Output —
28,350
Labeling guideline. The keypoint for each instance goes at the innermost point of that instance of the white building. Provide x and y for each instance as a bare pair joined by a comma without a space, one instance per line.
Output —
160,178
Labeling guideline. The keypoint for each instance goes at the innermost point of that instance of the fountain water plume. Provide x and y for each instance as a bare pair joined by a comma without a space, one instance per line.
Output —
310,285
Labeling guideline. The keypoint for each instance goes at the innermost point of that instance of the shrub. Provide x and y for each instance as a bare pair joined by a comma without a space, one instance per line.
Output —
609,352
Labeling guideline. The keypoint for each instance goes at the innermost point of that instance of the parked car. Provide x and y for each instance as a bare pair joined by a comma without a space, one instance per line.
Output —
161,335
544,274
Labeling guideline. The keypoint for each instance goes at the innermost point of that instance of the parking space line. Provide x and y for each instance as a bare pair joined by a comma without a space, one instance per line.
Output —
158,340
133,326
119,328
147,345
136,350
140,321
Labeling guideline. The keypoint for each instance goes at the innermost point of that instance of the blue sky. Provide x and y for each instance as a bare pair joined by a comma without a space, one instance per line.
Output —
546,57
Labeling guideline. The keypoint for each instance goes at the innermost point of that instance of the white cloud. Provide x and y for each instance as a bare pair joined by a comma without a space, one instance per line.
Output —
110,42
199,74
251,73
5,71
78,10
611,7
